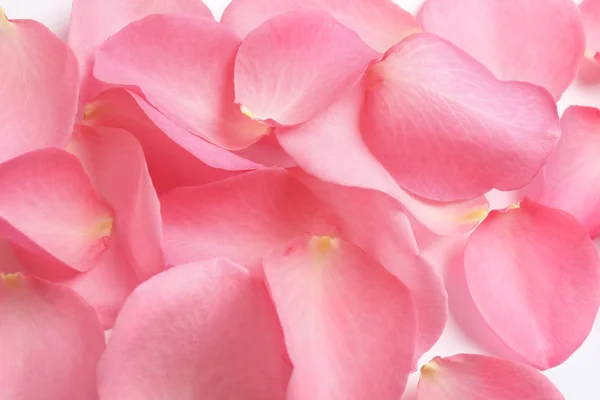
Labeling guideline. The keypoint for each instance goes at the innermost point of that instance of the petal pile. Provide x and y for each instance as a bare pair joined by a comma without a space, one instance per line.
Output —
276,203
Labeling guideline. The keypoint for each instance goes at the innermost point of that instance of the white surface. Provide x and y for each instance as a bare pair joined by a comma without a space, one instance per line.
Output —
578,378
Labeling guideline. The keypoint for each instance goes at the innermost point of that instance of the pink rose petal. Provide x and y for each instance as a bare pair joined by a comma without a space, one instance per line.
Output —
292,67
446,129
197,331
39,88
52,341
536,41
349,324
475,377
183,65
534,275
380,23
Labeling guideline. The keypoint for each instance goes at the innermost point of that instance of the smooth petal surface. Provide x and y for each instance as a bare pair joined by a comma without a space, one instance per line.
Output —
197,331
49,205
39,88
8,260
446,129
571,177
349,324
534,274
53,341
475,377
590,11
183,65
293,66
331,148
240,218
536,41
380,23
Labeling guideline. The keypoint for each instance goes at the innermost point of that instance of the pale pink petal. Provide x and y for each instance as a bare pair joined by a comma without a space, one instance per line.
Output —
48,205
536,41
590,11
377,224
476,377
183,65
240,217
534,274
297,64
571,177
331,148
197,331
39,88
52,341
446,129
191,161
380,23
349,324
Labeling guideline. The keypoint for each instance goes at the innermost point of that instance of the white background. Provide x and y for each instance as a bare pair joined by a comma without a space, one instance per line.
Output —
578,378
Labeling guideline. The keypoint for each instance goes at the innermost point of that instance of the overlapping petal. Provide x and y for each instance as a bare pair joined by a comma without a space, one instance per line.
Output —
39,76
183,66
348,323
446,129
49,206
571,177
292,67
202,330
380,23
475,377
52,341
536,41
534,275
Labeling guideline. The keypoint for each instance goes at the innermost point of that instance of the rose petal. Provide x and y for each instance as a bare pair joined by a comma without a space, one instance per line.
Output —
536,41
8,260
49,206
475,377
292,67
202,330
183,65
380,23
349,324
39,88
534,274
590,11
53,341
446,129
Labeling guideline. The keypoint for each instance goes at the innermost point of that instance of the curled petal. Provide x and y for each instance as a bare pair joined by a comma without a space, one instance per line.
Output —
536,41
571,177
380,23
475,377
446,129
202,330
49,205
55,341
349,324
292,67
39,88
534,275
183,65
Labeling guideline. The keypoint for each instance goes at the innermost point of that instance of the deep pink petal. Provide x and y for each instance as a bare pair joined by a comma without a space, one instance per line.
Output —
240,217
8,259
48,205
534,275
446,129
377,224
349,324
292,67
380,23
536,41
330,147
475,377
197,331
39,88
183,65
53,341
571,177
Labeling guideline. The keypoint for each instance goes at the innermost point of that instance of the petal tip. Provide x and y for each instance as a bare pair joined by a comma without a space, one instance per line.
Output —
430,368
322,245
4,21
